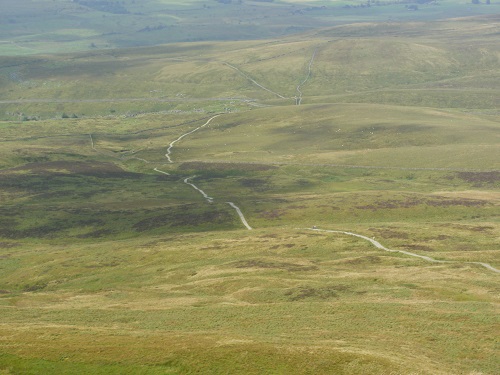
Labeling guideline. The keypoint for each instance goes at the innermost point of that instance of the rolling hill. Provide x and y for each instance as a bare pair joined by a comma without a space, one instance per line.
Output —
127,176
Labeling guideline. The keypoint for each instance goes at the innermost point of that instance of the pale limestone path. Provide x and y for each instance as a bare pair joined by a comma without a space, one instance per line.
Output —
240,214
298,99
169,150
254,81
186,181
92,142
380,246
211,200
160,171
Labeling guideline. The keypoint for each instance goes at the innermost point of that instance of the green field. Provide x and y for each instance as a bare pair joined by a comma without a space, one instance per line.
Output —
110,263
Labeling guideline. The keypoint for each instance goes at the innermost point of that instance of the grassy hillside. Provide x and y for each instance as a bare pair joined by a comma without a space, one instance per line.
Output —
53,26
426,66
119,252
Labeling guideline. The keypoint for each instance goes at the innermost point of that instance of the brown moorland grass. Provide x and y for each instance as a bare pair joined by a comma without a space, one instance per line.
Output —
337,303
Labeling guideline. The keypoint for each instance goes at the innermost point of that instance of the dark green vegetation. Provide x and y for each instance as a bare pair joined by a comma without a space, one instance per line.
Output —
110,267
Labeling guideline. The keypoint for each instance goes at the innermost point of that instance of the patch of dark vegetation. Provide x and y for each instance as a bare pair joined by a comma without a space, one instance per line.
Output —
201,166
232,124
286,246
472,228
56,194
253,263
82,222
38,232
8,245
95,169
215,247
100,233
256,184
149,29
269,236
480,228
418,247
324,293
150,244
7,214
466,248
114,7
34,287
187,215
164,178
332,208
3,291
273,214
410,202
479,179
362,260
442,237
7,221
34,159
55,225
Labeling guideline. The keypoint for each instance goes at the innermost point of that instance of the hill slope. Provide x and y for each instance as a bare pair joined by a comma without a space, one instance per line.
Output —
125,175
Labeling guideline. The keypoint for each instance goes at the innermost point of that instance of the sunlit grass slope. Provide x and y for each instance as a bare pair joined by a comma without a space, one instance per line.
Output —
274,300
358,134
423,64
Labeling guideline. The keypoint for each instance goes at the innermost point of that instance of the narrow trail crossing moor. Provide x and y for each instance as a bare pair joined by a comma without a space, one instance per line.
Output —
240,214
92,142
254,81
186,181
298,99
382,247
211,200
169,150
160,171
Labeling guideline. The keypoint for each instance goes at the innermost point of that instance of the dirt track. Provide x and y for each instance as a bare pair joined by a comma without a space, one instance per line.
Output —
169,150
380,246
240,214
298,99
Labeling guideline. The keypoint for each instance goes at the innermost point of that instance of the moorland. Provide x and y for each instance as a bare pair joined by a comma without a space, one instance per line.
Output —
200,204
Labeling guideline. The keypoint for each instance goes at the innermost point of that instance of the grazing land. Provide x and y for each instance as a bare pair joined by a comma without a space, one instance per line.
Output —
157,202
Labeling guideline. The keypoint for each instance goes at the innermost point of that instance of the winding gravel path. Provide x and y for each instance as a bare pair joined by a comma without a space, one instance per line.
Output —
211,200
92,142
240,214
380,246
159,171
186,181
254,81
169,150
298,99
